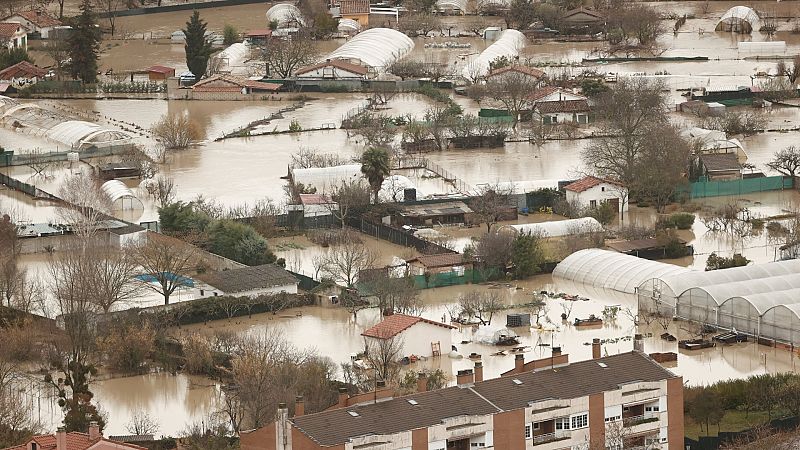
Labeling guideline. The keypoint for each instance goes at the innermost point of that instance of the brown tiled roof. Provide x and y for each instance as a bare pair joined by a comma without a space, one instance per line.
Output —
563,106
39,18
576,380
160,69
517,68
588,182
395,324
266,32
315,199
9,29
22,69
248,278
582,10
543,92
441,260
354,7
719,162
339,64
75,441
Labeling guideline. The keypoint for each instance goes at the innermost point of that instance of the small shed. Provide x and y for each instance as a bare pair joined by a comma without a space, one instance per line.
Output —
356,10
650,248
258,37
563,111
114,170
455,212
721,166
441,263
418,336
251,281
583,19
160,73
518,320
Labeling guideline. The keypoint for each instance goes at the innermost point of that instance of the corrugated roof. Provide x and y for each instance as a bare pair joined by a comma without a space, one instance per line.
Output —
354,7
161,69
441,260
231,83
720,162
563,106
249,278
588,182
395,324
336,427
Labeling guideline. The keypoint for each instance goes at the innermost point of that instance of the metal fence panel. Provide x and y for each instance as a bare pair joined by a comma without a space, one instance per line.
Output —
704,188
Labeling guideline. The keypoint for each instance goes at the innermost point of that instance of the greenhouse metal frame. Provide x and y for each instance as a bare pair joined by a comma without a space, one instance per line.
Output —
378,48
557,228
739,19
509,45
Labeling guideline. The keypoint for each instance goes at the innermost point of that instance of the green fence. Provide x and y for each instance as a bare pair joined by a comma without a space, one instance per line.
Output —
435,280
704,188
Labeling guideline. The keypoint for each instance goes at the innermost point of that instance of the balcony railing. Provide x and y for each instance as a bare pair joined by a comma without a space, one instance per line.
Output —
638,420
550,437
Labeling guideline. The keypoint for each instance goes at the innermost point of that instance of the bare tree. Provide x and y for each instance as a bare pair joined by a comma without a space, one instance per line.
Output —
538,308
383,356
512,89
490,203
86,204
786,162
347,199
343,262
142,423
166,264
162,190
306,158
112,277
493,249
398,295
10,248
176,130
284,56
110,8
38,161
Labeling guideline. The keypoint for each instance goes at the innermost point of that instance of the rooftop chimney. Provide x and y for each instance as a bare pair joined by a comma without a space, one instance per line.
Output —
638,343
478,372
519,363
422,382
556,351
299,406
61,439
343,396
465,377
595,348
94,430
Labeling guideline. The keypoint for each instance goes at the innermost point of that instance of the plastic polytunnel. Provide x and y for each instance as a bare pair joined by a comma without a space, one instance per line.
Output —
611,270
348,25
378,48
286,14
739,19
745,312
79,134
121,196
509,45
326,178
782,323
452,5
558,228
232,59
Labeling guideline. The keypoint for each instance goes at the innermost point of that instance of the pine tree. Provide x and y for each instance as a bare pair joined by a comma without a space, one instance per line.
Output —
198,48
84,45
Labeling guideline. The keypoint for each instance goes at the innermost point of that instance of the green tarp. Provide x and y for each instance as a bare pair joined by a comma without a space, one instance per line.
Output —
704,188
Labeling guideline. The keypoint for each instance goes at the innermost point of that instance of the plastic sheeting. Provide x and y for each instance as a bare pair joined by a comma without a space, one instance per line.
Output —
739,19
376,47
79,134
451,5
324,178
770,48
490,335
393,188
559,227
232,58
121,196
286,14
611,270
348,25
509,44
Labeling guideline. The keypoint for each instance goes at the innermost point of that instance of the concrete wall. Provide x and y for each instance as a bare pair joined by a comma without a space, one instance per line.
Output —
418,338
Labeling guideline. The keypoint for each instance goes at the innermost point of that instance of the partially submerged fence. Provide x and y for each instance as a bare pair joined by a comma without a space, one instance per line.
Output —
31,190
397,236
706,188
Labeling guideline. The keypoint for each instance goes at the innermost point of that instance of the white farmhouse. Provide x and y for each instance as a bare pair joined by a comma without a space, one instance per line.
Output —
13,35
418,336
250,281
593,192
35,21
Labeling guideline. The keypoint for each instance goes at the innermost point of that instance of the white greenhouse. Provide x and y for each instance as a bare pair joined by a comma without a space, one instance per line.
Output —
558,228
452,6
348,26
287,16
74,134
739,19
393,188
122,198
232,59
611,270
509,45
378,48
325,178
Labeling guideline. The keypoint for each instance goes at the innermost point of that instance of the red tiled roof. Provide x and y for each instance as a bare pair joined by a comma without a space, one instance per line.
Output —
75,441
160,69
543,92
588,182
9,29
339,64
397,323
22,69
588,12
39,18
441,260
4,87
260,85
354,7
563,106
520,69
315,199
259,33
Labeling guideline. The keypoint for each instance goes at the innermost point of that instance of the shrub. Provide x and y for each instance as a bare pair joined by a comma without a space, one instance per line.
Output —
127,348
199,358
239,242
230,34
604,213
715,262
681,221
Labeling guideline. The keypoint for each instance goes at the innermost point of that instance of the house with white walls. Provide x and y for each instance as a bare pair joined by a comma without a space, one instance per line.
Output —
418,336
592,192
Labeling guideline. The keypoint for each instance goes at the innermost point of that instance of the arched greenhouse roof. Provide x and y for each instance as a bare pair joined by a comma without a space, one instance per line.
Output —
720,293
233,56
739,19
116,190
765,301
349,25
77,134
376,47
509,45
680,283
558,228
612,270
446,5
285,14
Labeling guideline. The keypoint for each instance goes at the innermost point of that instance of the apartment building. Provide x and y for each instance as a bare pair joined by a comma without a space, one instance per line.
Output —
623,401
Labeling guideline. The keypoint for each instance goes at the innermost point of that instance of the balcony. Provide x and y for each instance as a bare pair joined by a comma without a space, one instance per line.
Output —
550,437
638,420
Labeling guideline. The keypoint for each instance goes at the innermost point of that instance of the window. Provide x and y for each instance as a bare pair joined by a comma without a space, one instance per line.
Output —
613,419
602,188
477,444
593,203
562,423
536,426
651,408
528,432
579,421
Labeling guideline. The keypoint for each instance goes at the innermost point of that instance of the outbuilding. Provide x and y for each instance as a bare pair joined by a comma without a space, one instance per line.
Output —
721,166
454,212
160,73
22,74
417,336
441,263
592,192
37,21
357,10
252,281
515,70
333,69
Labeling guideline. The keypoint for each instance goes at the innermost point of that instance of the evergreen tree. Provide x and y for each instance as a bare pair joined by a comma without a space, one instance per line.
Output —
198,48
9,57
84,45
